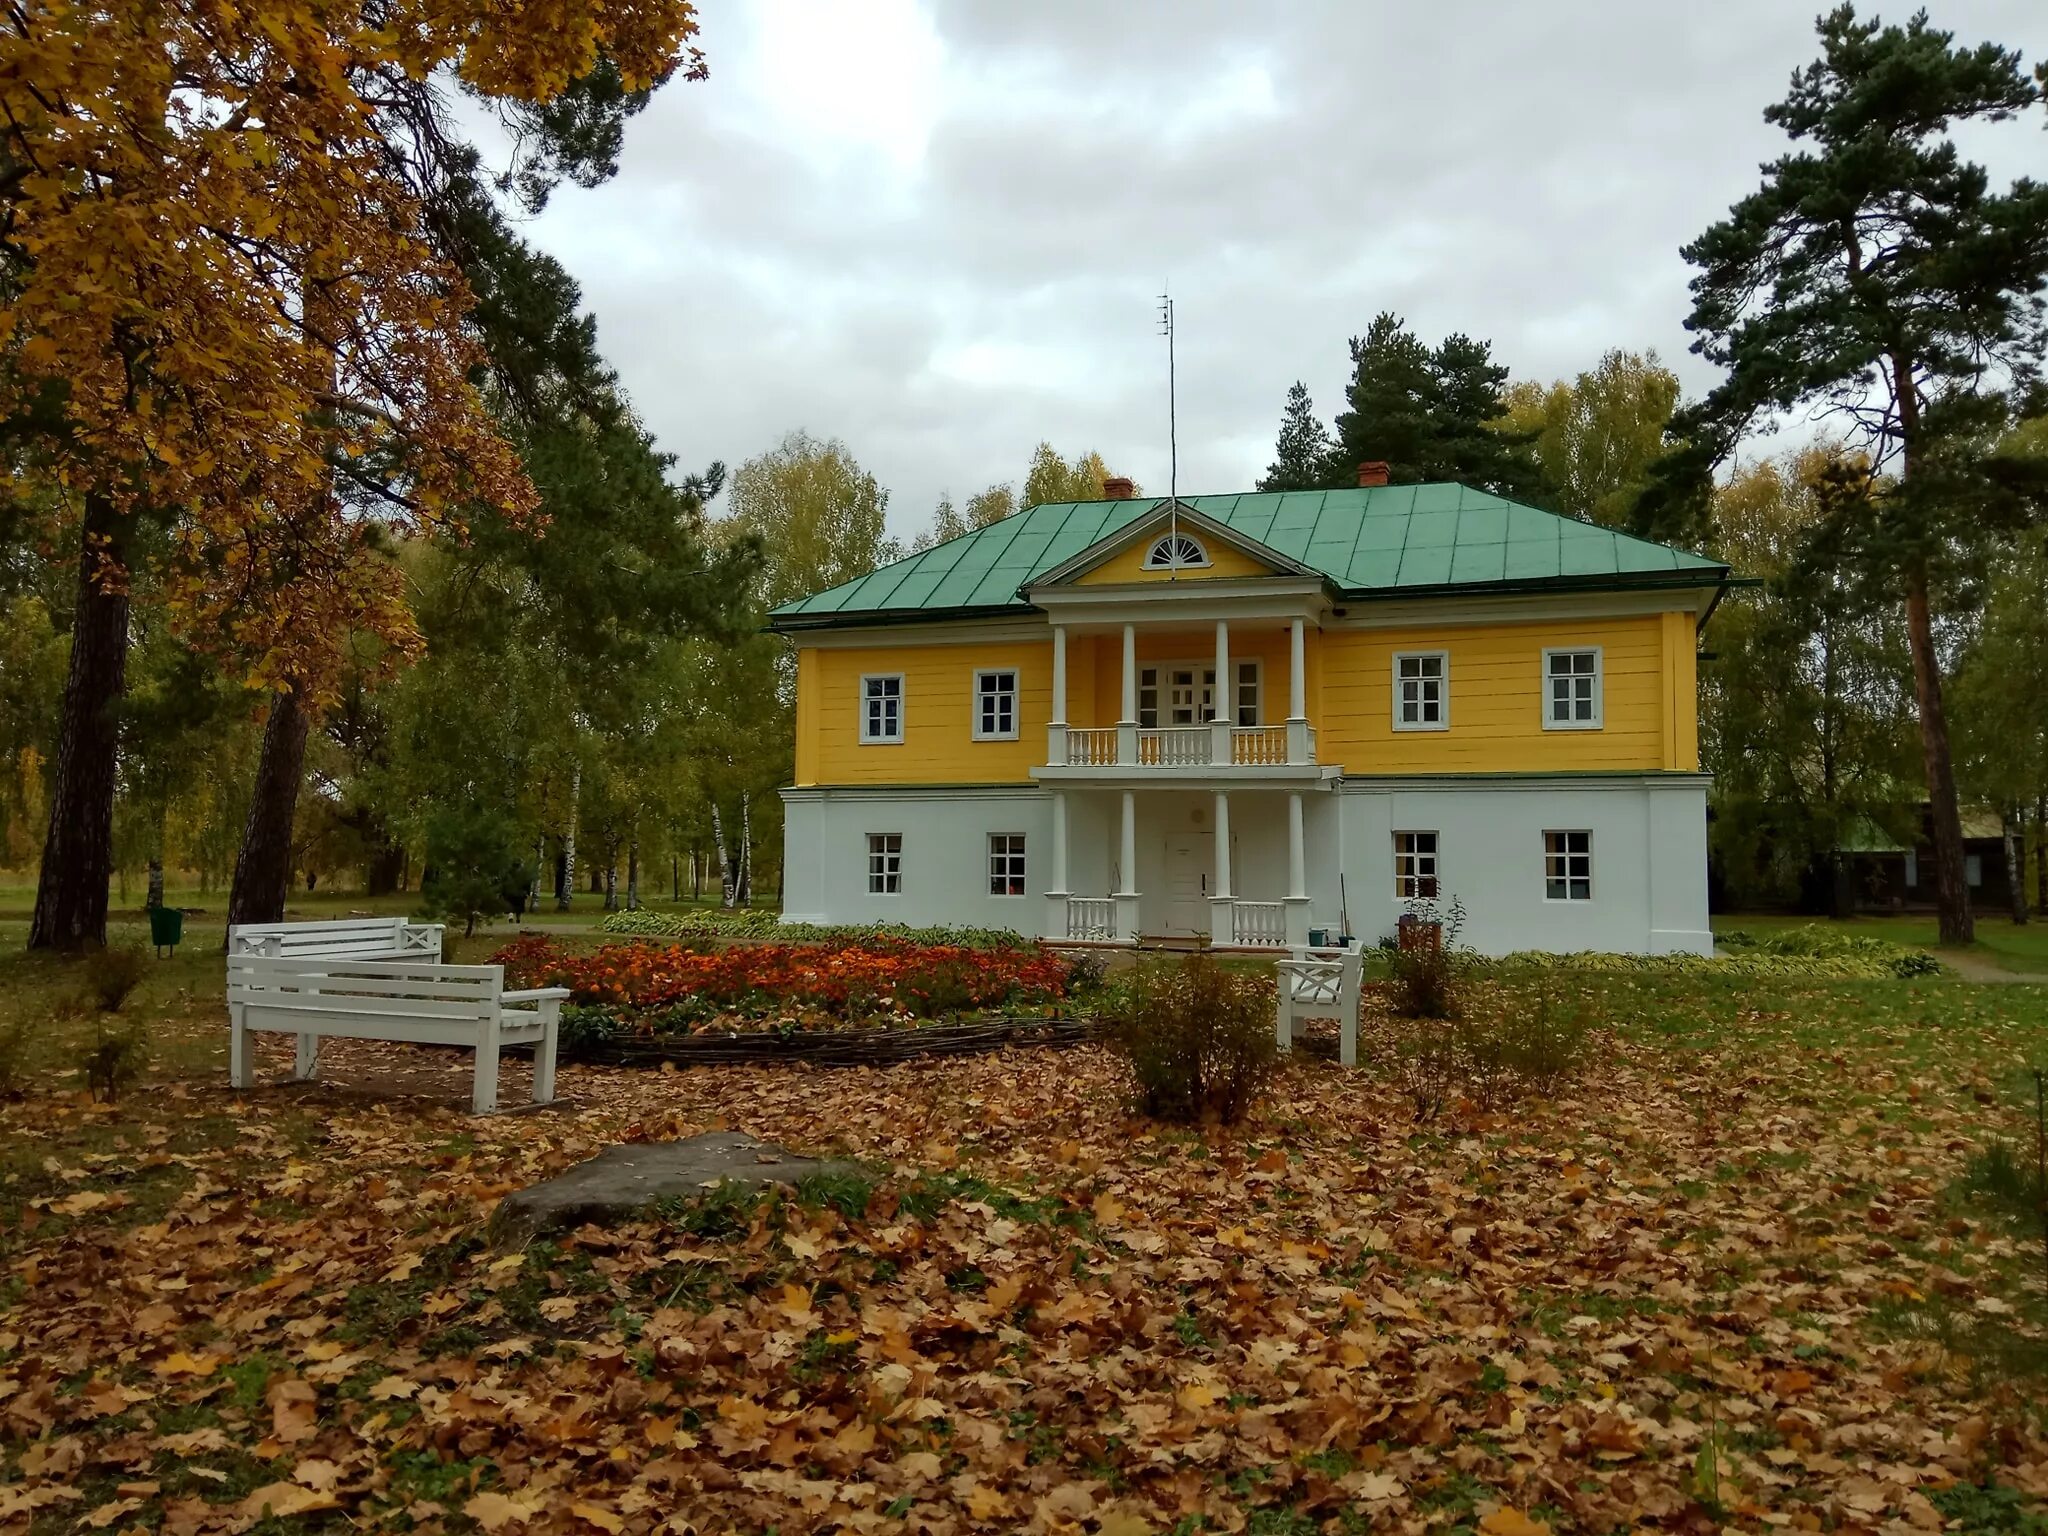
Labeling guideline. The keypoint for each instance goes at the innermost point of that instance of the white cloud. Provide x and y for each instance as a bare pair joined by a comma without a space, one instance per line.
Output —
937,231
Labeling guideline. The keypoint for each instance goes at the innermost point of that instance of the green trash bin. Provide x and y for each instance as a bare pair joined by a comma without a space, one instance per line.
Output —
166,927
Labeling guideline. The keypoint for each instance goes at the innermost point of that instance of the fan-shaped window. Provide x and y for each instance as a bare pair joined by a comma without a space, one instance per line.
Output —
1175,551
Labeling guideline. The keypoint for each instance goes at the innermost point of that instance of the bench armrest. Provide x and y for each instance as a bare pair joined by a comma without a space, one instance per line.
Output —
534,995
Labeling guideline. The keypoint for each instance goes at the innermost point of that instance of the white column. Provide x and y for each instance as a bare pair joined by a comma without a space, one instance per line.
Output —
1221,930
1127,722
1223,705
1056,728
1127,872
1057,893
1297,874
1297,694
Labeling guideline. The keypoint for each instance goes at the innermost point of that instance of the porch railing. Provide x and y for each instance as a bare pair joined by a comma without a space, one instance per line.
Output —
1258,746
1259,924
1178,746
1091,748
1091,917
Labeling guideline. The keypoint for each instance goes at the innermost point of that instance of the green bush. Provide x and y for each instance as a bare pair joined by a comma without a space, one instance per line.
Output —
1487,1056
752,923
1881,962
1426,977
111,975
1197,1039
584,1029
1831,952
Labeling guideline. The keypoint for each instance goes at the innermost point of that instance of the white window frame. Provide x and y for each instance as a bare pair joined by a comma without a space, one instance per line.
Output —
1443,682
885,863
1016,693
1172,546
1435,877
1567,899
998,873
867,738
1599,720
1160,686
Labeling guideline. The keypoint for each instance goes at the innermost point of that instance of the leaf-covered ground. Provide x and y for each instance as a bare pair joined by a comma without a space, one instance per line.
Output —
1727,1281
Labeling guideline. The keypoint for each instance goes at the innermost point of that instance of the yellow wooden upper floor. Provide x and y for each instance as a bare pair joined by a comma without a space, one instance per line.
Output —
1108,661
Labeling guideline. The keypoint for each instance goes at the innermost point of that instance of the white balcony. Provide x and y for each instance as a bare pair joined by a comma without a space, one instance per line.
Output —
1216,745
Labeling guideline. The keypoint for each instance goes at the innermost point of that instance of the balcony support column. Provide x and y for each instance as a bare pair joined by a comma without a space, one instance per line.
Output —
1056,728
1222,699
1221,930
1057,894
1127,722
1297,695
1127,870
1297,874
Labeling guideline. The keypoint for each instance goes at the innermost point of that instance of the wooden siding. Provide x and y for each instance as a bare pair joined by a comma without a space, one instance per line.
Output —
1496,699
1225,560
938,711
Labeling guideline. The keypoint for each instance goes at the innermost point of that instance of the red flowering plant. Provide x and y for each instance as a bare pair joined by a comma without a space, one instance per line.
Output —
674,986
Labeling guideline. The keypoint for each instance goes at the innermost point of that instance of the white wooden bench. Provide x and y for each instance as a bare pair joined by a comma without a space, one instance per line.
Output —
414,1001
346,938
1321,984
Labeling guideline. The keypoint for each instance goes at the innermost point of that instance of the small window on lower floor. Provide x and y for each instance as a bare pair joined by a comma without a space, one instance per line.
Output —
885,863
1415,866
1006,863
1568,866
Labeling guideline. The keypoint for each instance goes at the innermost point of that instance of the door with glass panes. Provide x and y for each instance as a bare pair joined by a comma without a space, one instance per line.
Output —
1184,693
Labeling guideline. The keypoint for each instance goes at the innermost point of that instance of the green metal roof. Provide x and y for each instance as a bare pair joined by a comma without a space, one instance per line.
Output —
1392,540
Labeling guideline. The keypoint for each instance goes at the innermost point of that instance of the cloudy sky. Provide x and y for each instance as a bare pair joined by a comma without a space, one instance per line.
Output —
938,230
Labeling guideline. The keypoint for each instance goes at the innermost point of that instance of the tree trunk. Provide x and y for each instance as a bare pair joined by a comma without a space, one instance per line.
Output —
726,886
2016,862
611,881
566,891
1951,889
263,869
385,867
78,851
633,875
155,898
2041,855
746,881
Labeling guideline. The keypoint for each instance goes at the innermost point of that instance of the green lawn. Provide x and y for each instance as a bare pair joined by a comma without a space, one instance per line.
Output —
2019,949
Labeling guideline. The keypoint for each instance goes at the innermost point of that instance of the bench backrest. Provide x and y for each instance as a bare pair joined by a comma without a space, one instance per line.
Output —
341,939
395,989
1325,977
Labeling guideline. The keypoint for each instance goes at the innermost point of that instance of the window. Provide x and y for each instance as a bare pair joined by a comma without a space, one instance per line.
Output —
881,708
1247,693
1973,870
1571,683
885,863
1185,694
995,706
1174,552
1006,863
1568,866
1419,700
1415,866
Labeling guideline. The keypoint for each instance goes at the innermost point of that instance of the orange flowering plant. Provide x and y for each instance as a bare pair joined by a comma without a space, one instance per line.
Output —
872,977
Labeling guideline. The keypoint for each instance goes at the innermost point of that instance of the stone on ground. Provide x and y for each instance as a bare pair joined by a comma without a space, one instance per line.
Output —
622,1181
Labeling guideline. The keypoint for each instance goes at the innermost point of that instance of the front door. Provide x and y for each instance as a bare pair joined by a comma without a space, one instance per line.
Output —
1190,856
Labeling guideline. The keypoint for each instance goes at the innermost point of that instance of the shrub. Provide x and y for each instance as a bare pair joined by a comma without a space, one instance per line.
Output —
111,976
583,1030
1198,1040
1425,976
113,1062
1487,1056
752,923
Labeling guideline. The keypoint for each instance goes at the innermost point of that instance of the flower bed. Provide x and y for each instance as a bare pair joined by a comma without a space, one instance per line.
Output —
653,989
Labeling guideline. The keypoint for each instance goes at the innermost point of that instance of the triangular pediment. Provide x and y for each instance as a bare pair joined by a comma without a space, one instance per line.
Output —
1172,542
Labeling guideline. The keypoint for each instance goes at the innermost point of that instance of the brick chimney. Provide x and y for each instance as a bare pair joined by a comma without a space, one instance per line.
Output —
1119,487
1373,472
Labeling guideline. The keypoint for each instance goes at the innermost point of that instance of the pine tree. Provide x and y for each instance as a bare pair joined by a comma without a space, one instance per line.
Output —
1875,271
1387,414
1428,415
1301,454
